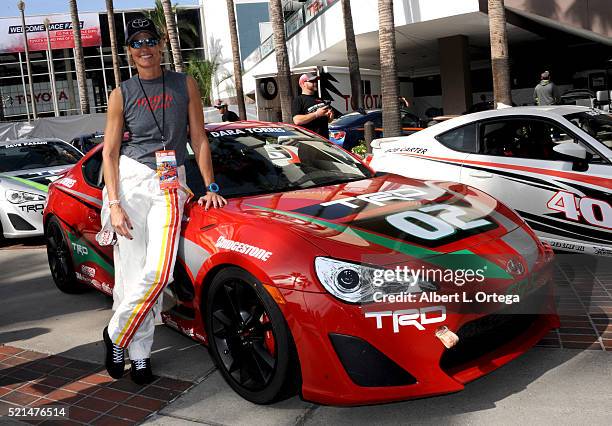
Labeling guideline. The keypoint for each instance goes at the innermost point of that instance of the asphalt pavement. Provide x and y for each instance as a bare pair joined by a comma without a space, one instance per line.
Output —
545,386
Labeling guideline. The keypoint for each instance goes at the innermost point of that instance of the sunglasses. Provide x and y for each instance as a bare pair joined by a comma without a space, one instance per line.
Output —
150,42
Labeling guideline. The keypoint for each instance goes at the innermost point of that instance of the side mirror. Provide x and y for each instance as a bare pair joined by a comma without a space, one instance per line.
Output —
577,154
571,149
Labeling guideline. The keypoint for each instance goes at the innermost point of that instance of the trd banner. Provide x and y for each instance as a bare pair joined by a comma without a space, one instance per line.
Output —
60,30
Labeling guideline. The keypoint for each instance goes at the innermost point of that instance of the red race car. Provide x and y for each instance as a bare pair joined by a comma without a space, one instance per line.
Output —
324,278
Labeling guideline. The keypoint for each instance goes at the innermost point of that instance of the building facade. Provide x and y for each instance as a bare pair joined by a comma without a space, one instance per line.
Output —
443,46
249,15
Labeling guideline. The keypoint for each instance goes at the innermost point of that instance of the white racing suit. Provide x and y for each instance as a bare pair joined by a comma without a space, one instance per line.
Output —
144,265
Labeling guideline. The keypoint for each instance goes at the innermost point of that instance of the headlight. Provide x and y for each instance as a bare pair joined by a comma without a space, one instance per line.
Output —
356,283
19,197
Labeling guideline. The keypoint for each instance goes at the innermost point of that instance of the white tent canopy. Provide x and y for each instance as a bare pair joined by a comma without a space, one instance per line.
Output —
65,128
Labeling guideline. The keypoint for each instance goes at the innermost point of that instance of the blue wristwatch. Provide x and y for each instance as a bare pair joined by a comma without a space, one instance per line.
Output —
213,187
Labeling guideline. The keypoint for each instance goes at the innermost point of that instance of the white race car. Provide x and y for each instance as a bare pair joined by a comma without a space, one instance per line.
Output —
553,165
27,166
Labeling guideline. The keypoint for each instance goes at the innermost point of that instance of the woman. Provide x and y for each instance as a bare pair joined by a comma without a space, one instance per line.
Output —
145,192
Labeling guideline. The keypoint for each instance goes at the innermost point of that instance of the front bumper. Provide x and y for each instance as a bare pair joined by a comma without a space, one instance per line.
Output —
22,220
332,338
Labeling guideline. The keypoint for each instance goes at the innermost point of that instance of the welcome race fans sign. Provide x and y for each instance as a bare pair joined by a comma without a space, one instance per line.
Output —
60,31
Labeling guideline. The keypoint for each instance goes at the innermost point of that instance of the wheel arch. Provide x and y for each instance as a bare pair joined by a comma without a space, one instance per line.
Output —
295,384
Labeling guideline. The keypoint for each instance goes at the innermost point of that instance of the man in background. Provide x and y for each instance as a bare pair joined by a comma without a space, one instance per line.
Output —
226,114
546,92
308,110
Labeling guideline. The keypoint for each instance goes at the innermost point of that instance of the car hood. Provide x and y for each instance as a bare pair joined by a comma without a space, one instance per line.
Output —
41,176
383,219
20,184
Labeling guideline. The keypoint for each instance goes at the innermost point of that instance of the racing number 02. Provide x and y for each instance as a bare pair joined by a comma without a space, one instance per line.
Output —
436,227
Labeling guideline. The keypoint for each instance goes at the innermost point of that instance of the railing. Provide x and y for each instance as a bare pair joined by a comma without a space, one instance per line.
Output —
294,23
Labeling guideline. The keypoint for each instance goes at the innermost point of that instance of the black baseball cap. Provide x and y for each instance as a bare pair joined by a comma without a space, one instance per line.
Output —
140,25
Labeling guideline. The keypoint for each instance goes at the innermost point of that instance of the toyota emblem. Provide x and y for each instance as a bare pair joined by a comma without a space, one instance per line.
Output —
515,267
140,23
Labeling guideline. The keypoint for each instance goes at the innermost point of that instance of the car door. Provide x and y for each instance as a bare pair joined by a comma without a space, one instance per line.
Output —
93,262
565,204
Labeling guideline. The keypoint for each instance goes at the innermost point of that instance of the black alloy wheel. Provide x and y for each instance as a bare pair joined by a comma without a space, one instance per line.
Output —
249,338
60,259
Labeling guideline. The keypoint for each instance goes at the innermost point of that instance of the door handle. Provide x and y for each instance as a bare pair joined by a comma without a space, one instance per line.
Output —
93,217
481,174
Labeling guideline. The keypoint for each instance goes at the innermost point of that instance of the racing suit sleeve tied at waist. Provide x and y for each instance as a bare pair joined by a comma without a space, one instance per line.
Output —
145,264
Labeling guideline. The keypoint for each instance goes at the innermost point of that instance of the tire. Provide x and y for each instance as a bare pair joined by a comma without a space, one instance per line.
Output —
249,339
60,259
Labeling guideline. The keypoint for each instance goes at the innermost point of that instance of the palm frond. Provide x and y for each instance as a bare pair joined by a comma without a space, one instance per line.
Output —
202,71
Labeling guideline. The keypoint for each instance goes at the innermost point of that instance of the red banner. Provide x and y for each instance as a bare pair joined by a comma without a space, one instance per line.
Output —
60,31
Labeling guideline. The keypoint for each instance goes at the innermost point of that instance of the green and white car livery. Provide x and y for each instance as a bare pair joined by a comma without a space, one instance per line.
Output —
27,166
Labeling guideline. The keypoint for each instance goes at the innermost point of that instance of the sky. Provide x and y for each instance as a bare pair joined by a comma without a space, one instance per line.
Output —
42,7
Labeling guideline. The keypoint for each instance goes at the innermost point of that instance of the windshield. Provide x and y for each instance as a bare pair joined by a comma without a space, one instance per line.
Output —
596,124
28,155
260,160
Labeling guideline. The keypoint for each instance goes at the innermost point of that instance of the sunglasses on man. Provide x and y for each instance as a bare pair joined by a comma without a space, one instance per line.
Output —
150,42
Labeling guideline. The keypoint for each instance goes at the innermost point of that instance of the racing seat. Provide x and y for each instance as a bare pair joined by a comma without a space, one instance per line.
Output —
499,143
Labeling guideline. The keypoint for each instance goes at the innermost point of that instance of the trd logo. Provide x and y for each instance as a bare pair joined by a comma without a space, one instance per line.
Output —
32,208
378,198
413,317
80,250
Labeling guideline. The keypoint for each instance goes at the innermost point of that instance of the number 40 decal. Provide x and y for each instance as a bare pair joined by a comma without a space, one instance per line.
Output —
593,211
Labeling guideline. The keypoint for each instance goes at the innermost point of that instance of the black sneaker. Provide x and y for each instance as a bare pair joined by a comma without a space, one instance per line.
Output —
114,359
141,371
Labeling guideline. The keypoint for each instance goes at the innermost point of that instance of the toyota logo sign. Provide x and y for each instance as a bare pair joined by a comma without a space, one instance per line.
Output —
140,23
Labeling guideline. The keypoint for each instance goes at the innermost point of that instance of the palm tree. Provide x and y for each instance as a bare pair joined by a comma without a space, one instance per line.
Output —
21,6
78,57
173,35
388,69
352,56
283,76
500,65
215,56
113,41
159,20
231,14
189,33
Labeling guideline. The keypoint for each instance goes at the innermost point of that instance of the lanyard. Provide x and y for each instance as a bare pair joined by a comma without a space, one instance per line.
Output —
162,128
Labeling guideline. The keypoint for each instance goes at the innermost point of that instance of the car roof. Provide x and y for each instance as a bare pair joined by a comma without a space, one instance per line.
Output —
552,111
14,141
540,111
